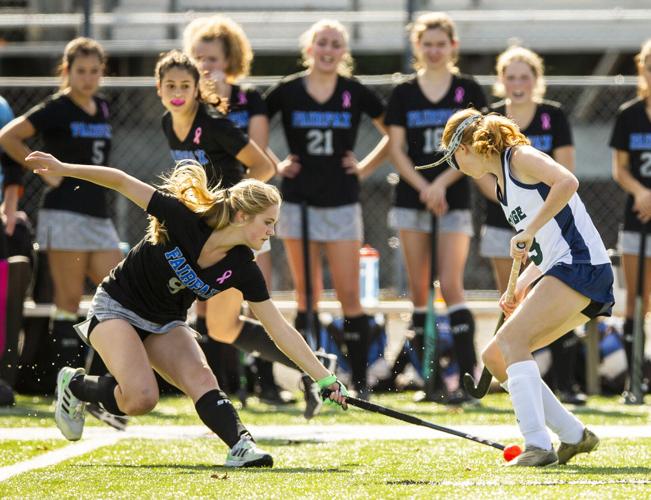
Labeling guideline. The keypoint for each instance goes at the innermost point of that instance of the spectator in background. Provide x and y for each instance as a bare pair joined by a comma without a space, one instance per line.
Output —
74,224
223,54
321,108
631,143
521,84
416,115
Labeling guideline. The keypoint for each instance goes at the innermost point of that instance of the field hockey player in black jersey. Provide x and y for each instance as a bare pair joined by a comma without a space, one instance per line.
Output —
223,54
74,221
198,244
521,84
631,143
199,130
416,116
321,110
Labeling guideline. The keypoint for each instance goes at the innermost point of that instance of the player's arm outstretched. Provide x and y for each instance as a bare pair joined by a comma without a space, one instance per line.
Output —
137,191
294,346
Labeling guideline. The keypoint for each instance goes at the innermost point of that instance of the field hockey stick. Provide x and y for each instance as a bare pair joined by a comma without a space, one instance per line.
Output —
310,334
430,334
410,419
480,389
636,396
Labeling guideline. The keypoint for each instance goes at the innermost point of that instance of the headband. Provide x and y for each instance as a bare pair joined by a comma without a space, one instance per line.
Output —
455,142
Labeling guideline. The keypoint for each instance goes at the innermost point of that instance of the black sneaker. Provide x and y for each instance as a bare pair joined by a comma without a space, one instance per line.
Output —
273,396
461,398
573,398
118,422
6,394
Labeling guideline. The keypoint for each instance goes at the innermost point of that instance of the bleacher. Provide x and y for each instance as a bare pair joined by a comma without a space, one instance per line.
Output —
146,27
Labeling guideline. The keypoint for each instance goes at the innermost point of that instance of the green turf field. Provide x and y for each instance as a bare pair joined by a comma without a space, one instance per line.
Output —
174,468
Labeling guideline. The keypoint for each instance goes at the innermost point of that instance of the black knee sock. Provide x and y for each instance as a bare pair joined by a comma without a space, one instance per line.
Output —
564,354
265,375
254,338
356,336
96,389
628,344
217,412
300,322
462,326
418,320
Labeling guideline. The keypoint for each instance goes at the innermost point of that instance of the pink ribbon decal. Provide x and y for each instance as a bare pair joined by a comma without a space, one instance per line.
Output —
105,110
459,94
197,135
241,98
346,99
224,277
546,121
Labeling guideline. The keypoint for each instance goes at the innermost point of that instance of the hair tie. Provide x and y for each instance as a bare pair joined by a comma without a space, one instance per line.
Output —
227,193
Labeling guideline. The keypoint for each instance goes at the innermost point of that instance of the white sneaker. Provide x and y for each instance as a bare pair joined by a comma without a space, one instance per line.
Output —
69,411
247,454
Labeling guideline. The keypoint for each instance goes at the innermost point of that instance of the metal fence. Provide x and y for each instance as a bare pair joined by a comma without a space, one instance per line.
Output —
140,148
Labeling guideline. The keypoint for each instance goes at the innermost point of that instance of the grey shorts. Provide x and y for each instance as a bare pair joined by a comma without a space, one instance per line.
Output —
104,307
325,223
495,242
628,242
64,230
412,219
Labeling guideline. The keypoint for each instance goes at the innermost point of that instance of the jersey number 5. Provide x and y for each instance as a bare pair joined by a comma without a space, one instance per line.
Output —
319,142
98,152
535,253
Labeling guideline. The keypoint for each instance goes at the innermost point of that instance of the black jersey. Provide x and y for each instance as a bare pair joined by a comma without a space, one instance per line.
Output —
214,141
160,282
74,136
244,103
547,131
320,134
424,122
632,133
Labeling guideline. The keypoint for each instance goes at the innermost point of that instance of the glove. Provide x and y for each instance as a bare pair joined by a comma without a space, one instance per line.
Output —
330,384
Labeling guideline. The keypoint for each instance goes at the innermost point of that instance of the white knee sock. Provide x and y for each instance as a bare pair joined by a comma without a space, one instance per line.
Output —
564,424
526,395
568,428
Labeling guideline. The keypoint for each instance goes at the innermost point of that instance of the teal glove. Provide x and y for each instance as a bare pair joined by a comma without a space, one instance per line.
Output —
325,387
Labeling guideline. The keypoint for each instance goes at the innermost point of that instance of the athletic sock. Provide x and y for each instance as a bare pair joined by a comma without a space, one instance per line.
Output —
253,338
462,326
356,336
96,389
564,353
526,396
418,325
418,320
628,346
217,412
564,424
300,323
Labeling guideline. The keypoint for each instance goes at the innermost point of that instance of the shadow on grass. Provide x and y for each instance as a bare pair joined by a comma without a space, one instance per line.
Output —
189,469
600,470
587,410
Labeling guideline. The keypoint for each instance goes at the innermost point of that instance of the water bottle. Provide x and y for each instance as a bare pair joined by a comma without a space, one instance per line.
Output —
369,276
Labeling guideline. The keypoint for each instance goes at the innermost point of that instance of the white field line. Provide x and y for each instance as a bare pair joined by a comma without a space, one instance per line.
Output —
97,437
56,456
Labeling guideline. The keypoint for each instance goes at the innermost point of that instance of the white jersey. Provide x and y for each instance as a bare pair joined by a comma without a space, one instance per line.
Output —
569,237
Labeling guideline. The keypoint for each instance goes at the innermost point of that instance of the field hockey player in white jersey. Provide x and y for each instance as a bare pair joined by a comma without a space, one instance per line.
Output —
568,281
